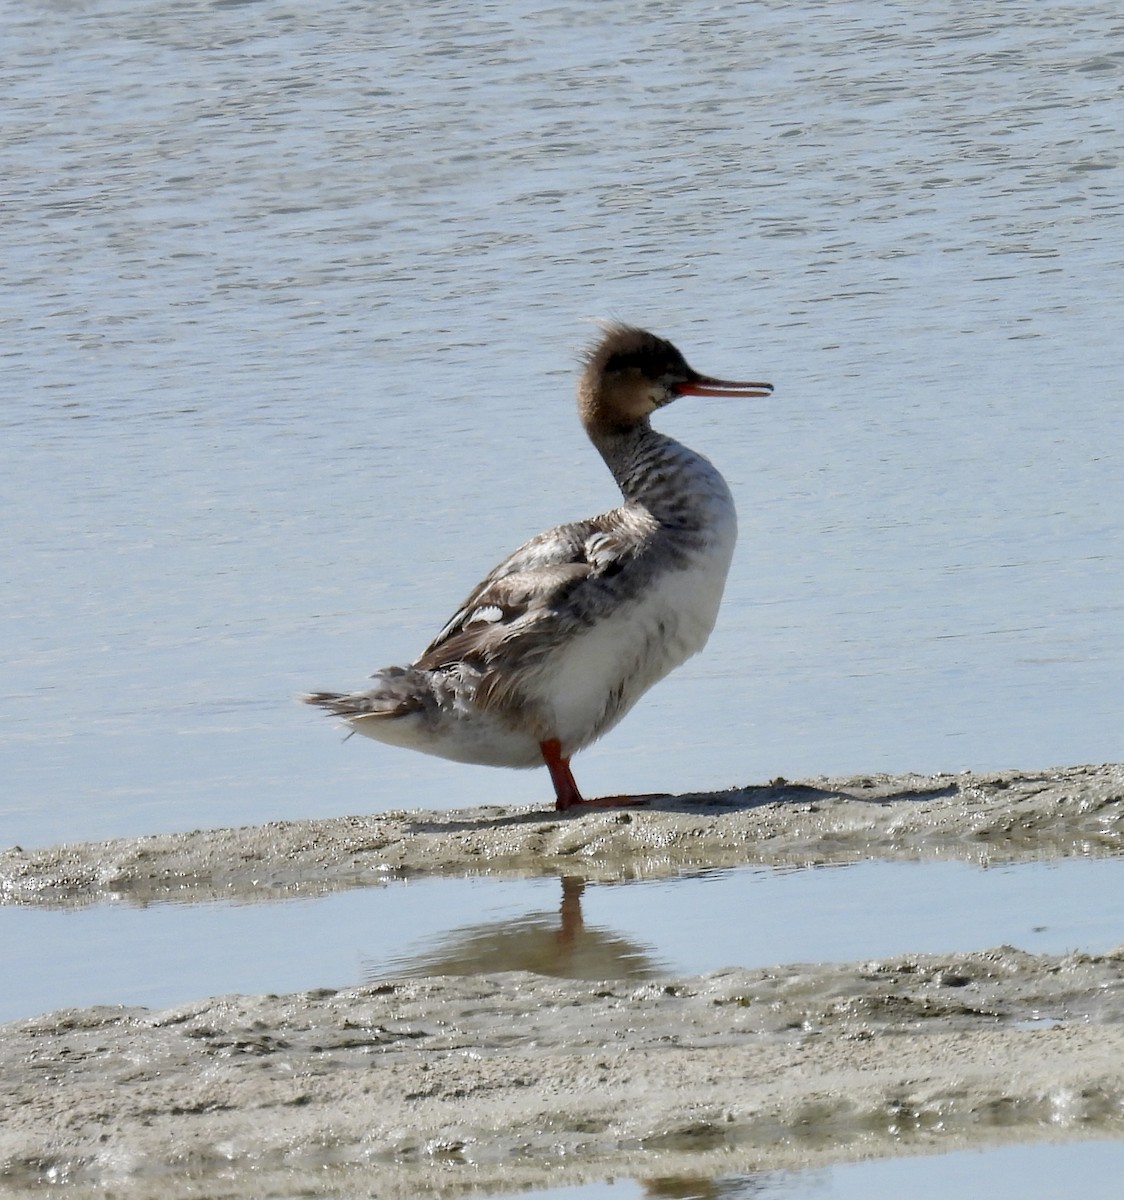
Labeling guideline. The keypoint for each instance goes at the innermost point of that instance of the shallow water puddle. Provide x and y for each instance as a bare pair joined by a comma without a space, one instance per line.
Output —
1092,1170
166,953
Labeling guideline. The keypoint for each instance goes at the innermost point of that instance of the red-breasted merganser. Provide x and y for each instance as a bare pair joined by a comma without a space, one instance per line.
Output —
553,647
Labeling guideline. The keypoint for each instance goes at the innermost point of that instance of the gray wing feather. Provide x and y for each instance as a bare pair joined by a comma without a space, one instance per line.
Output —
550,586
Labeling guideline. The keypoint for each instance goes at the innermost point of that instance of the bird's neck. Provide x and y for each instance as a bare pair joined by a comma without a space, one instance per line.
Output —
680,488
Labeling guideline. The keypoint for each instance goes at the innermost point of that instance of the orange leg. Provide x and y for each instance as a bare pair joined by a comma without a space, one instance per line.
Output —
566,790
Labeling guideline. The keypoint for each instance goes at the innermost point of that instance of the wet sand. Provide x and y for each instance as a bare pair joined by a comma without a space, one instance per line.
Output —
1002,817
503,1081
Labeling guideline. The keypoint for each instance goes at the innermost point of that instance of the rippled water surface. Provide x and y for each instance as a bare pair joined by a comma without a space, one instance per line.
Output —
290,311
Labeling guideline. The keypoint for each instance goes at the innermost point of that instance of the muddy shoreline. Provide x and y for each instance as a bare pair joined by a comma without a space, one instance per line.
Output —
997,817
498,1082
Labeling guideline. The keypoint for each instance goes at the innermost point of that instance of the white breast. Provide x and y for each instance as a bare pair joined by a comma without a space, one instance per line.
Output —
594,679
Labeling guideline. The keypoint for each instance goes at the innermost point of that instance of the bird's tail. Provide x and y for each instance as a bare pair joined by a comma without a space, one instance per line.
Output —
398,691
339,703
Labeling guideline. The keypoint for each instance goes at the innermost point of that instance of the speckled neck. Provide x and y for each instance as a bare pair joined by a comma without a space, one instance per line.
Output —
680,488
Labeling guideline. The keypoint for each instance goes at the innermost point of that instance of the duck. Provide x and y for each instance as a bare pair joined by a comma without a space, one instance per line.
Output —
558,642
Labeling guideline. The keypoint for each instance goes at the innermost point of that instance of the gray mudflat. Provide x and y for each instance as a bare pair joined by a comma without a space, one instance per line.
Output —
497,1082
978,818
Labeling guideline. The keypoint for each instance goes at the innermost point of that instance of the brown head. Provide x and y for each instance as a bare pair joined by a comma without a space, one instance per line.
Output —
630,373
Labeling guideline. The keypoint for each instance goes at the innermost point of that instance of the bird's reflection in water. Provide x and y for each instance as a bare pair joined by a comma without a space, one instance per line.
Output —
740,1187
559,944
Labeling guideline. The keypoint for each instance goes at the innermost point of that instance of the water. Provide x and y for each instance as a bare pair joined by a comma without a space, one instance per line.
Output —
1006,1173
165,954
283,287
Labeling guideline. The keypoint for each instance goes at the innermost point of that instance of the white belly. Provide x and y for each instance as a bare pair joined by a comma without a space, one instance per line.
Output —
589,684
463,735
